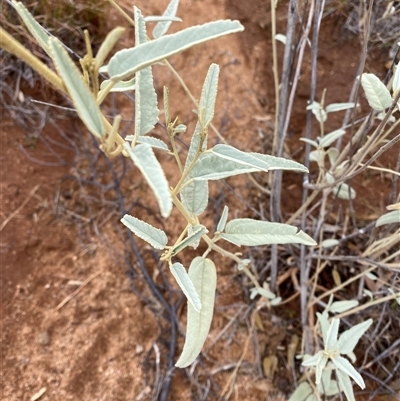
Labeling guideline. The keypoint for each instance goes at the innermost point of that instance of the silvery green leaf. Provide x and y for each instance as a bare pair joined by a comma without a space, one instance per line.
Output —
257,160
330,179
378,96
342,306
333,154
344,191
212,167
262,292
208,96
345,385
368,293
153,142
186,285
195,195
327,386
329,243
319,368
122,86
382,115
35,29
345,366
146,110
339,107
166,106
313,360
352,357
349,339
332,335
280,38
81,97
302,392
179,129
154,236
276,301
128,61
203,274
108,43
162,27
396,79
251,232
145,160
223,219
310,141
320,114
331,137
191,239
388,218
317,156
324,323
191,230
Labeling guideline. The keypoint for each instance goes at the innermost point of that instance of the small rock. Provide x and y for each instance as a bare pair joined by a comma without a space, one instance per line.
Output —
44,338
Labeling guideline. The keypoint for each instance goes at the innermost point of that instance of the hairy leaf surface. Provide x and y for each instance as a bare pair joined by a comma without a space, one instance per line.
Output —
146,110
128,61
208,96
154,236
203,274
81,97
145,160
193,237
254,232
378,96
37,31
186,285
170,12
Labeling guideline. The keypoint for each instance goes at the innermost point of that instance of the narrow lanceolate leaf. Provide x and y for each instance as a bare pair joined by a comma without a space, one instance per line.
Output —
324,324
332,335
396,79
223,220
186,285
191,239
254,232
107,45
339,106
143,157
388,218
211,167
154,236
122,86
344,191
345,385
349,339
162,27
302,393
146,110
377,94
128,61
203,274
35,29
81,97
342,306
257,160
208,96
194,196
153,142
346,367
331,137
